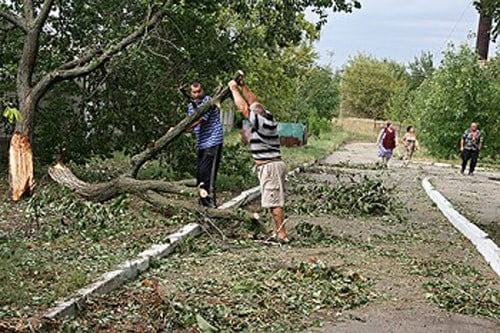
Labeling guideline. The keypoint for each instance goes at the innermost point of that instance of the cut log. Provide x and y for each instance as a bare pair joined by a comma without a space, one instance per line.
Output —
20,166
100,192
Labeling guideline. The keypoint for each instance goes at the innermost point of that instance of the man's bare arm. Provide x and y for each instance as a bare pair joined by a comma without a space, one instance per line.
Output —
249,95
239,101
462,142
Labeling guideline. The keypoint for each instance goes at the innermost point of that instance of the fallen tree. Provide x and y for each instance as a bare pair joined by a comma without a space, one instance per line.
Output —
151,191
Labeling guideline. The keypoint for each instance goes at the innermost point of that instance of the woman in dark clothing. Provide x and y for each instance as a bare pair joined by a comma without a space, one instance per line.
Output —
386,142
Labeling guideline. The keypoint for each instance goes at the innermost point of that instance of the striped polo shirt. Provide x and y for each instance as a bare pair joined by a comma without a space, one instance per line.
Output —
209,133
265,141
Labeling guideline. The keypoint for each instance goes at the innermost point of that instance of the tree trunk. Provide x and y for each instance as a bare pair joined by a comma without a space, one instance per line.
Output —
101,192
21,175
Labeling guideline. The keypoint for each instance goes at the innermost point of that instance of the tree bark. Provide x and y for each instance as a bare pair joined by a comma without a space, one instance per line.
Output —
483,36
101,192
20,153
20,166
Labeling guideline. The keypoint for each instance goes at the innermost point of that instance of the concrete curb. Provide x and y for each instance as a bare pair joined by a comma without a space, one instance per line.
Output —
488,249
447,165
130,269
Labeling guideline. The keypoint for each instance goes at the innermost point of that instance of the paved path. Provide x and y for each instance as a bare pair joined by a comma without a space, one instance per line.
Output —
479,194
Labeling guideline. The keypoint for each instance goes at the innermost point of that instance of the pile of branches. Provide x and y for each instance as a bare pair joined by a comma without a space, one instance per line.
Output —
354,196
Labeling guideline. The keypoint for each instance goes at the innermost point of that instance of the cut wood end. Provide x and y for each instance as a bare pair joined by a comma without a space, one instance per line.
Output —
58,165
203,193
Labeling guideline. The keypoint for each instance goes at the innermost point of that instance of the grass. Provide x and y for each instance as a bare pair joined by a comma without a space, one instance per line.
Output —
55,243
320,146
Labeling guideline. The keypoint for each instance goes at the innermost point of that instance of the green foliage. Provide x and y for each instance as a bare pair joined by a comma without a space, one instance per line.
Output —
11,114
317,126
473,298
364,196
55,243
236,169
133,99
235,294
294,88
458,92
368,85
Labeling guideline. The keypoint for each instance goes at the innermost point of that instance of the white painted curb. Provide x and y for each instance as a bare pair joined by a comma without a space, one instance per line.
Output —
488,249
128,270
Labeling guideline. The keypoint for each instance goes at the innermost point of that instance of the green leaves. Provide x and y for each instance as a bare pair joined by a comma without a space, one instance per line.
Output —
12,114
457,93
368,85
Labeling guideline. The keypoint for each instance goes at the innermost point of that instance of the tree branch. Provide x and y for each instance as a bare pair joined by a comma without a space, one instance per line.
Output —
92,64
14,19
173,133
86,57
158,200
44,13
101,192
29,10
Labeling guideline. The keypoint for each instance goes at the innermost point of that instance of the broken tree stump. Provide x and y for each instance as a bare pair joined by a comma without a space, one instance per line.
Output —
20,166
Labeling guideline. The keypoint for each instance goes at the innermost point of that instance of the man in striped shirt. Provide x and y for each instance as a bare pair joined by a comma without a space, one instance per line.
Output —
265,149
209,139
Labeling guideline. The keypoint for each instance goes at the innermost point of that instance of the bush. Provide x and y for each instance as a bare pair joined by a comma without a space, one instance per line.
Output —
318,125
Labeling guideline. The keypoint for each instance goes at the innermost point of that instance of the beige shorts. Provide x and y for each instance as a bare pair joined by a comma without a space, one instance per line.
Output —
272,183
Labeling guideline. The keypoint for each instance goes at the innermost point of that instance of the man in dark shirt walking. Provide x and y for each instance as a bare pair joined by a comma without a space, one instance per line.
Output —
209,139
470,145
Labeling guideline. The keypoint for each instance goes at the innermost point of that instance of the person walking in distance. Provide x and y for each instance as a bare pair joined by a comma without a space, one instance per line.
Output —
386,142
470,146
266,152
209,140
410,142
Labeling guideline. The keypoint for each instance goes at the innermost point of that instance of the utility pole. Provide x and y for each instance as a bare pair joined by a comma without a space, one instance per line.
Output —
483,35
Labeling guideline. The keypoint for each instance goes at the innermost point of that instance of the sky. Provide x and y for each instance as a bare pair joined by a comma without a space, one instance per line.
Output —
397,29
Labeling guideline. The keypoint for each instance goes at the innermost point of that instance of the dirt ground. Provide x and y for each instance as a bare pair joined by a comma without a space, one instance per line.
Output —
424,276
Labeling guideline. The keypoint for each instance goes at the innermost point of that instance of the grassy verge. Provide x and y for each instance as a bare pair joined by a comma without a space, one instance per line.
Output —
55,243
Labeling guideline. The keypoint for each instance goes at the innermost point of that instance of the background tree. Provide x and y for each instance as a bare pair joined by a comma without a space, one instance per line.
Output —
417,71
458,92
367,86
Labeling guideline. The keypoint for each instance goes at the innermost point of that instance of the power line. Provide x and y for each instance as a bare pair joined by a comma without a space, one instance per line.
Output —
457,22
